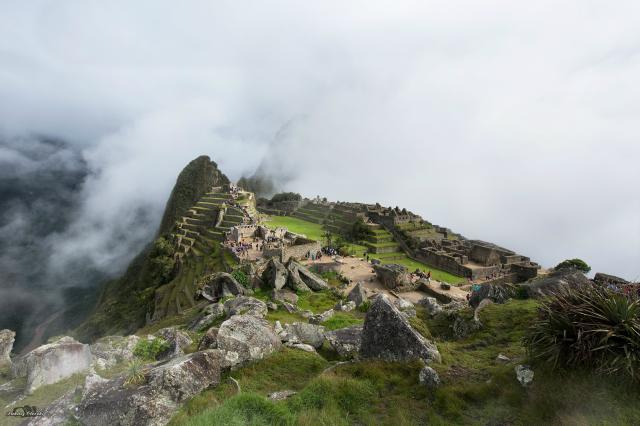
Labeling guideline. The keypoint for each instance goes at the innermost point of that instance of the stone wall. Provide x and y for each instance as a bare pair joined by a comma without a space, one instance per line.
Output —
299,251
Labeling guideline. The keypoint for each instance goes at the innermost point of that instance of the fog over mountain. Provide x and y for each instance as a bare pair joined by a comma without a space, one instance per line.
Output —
515,123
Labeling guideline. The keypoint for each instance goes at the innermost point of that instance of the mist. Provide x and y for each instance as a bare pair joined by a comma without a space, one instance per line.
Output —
511,122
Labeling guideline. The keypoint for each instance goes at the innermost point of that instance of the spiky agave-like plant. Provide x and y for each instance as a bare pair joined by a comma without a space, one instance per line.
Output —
588,326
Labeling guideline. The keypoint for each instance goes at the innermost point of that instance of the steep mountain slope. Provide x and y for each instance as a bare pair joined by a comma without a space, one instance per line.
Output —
126,301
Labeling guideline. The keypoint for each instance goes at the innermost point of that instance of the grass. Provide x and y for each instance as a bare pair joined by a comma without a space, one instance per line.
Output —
287,369
412,265
298,226
342,320
316,302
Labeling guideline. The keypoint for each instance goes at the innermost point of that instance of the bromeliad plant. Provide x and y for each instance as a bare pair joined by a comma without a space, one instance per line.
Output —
591,327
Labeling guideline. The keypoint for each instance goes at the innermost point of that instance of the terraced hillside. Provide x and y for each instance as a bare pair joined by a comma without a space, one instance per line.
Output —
197,237
311,212
381,242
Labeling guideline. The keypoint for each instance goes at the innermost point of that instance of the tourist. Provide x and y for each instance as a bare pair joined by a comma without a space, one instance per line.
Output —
429,277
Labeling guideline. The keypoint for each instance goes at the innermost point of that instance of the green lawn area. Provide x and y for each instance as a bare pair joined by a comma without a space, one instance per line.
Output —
299,226
412,265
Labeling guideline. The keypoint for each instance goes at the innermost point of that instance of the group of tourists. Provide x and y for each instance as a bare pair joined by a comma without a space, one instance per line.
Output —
313,255
629,290
242,248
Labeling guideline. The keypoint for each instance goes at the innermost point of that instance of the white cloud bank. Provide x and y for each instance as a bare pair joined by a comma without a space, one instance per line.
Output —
513,122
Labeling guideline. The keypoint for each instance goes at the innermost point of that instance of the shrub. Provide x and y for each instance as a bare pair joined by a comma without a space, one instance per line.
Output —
364,306
150,349
589,327
286,196
577,264
241,277
136,373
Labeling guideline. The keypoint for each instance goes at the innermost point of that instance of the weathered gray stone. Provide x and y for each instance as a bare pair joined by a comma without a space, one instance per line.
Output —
154,403
392,275
388,335
59,412
429,377
284,295
431,305
345,341
246,338
556,281
358,294
300,346
503,358
606,279
281,395
53,362
111,350
345,306
300,332
244,305
7,337
209,340
317,319
211,313
308,278
494,292
524,375
289,307
272,306
275,274
177,339
215,286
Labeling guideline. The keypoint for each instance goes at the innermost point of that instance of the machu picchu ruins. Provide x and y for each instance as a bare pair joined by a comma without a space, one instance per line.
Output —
234,284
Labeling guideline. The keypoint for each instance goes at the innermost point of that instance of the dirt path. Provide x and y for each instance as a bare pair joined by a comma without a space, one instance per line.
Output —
38,334
359,270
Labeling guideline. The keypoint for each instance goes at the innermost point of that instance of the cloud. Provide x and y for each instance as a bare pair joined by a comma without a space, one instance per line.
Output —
510,122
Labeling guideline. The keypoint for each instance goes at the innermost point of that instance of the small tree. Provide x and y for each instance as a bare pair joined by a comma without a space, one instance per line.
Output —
162,261
577,264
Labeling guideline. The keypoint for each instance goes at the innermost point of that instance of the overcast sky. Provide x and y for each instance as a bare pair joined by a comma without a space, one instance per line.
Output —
513,122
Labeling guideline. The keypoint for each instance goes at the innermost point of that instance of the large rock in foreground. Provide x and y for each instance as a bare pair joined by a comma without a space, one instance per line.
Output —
7,337
388,335
301,276
246,338
115,403
53,362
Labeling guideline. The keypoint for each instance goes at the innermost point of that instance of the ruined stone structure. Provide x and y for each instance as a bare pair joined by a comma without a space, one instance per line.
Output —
279,242
477,260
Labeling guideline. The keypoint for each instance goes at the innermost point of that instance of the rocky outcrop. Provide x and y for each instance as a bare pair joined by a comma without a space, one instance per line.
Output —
494,292
284,295
154,403
7,337
345,341
388,335
214,287
524,374
275,275
209,340
347,306
178,341
211,313
244,305
431,305
246,338
392,276
606,279
320,318
557,281
297,272
53,362
357,294
405,307
300,332
112,350
429,377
